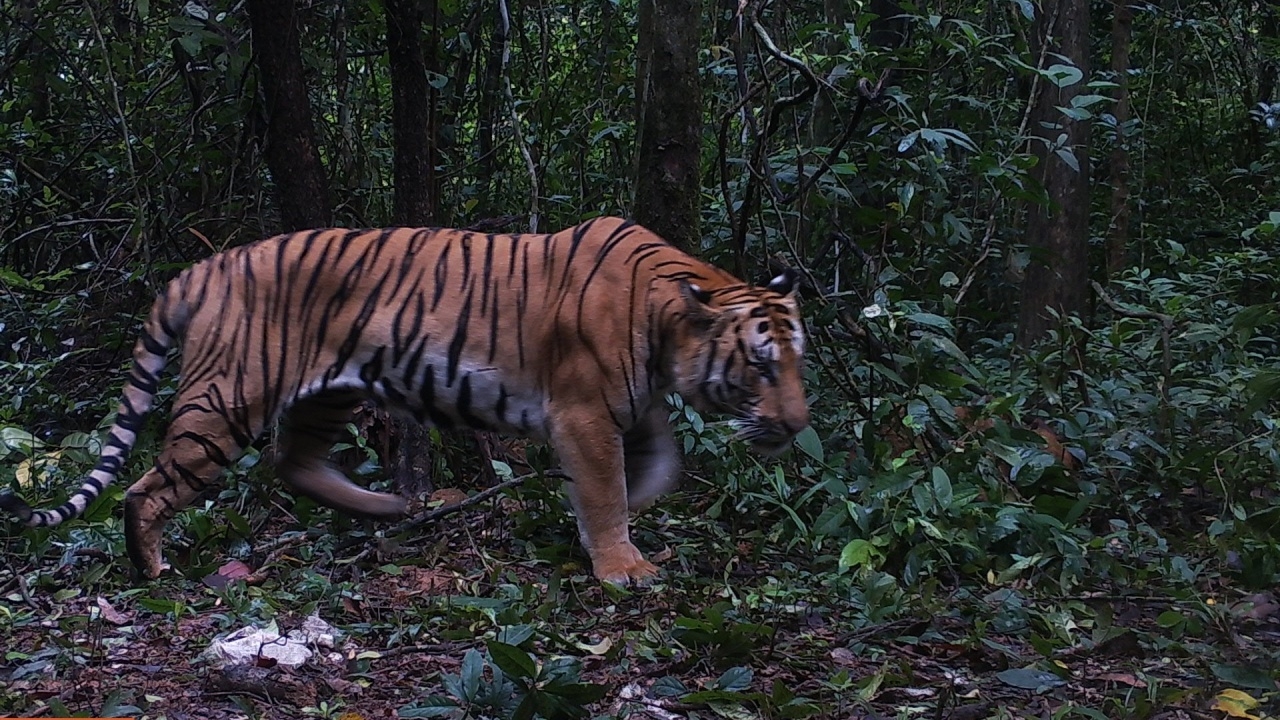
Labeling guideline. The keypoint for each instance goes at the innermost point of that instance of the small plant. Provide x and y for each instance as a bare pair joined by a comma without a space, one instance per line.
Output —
516,687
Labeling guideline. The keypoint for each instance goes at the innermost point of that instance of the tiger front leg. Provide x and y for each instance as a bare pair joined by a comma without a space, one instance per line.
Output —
591,450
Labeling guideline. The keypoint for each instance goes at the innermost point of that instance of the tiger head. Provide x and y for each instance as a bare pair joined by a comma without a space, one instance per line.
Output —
745,358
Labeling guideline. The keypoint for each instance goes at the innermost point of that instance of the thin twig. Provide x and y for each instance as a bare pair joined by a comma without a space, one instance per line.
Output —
987,237
430,516
866,95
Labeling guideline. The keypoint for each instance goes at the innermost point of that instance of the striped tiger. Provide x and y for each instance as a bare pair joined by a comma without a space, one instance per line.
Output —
573,338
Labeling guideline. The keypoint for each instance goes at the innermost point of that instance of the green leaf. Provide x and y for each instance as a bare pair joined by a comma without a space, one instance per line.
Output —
807,440
515,634
858,553
1063,75
668,686
1068,157
1261,390
942,488
1083,101
472,675
513,661
1252,677
432,706
735,679
930,320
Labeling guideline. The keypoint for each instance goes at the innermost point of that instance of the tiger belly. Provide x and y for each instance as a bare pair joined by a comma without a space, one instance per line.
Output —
478,397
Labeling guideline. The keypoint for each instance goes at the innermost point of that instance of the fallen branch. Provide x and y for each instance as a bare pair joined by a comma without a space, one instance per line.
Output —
430,516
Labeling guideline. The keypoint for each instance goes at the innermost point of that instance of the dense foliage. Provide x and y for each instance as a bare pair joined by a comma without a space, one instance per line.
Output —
1132,453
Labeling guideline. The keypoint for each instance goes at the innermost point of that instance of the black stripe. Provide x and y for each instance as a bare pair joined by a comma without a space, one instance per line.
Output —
459,339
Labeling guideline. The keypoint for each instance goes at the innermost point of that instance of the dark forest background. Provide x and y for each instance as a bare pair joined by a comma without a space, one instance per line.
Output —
1040,262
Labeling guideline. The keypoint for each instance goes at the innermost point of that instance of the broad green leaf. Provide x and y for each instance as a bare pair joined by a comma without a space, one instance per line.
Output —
942,488
1068,157
668,686
432,706
1063,75
472,674
809,442
1247,676
858,553
513,661
735,679
502,470
515,634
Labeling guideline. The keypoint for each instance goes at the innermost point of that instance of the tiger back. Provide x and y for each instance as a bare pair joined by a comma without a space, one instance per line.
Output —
573,337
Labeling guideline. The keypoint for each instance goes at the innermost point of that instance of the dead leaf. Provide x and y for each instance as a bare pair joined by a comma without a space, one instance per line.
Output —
110,614
843,656
1236,703
447,497
663,555
1124,679
1258,606
431,581
352,607
230,571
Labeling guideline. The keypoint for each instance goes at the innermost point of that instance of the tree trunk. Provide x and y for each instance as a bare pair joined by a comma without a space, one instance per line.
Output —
489,117
669,108
1058,235
412,115
1118,232
409,450
291,152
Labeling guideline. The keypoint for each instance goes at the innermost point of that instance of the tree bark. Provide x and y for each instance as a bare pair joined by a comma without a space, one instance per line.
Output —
1118,232
291,152
669,129
1058,235
489,117
412,114
413,118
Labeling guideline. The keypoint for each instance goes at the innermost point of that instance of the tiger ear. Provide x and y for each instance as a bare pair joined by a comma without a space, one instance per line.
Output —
697,301
785,282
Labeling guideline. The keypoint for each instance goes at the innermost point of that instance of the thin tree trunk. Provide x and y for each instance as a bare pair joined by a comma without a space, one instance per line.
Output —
291,151
669,97
414,203
489,111
1118,233
411,115
1058,235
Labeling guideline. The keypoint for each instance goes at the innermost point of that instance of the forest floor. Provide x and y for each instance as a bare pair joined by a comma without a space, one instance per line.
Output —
735,629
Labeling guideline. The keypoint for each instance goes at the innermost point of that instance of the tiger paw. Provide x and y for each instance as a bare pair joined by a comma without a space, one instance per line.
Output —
624,566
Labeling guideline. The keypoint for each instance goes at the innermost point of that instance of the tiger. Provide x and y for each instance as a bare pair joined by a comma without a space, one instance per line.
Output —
573,338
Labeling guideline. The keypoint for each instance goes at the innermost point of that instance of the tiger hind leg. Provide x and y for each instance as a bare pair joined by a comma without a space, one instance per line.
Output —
198,447
310,429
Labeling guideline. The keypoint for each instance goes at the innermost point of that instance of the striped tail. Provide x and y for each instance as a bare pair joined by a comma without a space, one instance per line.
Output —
158,335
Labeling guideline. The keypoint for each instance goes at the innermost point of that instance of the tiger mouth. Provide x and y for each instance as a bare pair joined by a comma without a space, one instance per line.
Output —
765,439
770,448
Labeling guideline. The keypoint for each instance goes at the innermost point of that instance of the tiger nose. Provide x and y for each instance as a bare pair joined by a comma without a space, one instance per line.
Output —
793,421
